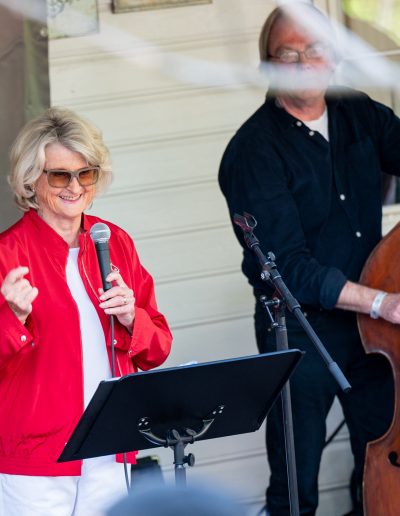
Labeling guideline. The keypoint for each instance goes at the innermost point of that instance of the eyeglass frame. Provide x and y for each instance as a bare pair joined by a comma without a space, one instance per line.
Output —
324,52
72,174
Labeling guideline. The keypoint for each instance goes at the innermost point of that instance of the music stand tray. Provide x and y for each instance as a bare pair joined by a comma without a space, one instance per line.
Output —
230,396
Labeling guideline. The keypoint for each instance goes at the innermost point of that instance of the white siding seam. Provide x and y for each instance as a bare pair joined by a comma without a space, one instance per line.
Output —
205,321
179,230
160,94
125,145
201,274
92,51
149,95
160,185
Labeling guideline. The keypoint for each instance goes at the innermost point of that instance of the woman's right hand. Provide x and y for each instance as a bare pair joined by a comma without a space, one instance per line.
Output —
19,293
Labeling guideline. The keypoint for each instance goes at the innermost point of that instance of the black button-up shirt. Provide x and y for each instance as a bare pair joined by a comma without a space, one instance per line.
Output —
317,203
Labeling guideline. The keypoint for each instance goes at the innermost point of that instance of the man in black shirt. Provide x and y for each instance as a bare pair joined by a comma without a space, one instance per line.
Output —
307,164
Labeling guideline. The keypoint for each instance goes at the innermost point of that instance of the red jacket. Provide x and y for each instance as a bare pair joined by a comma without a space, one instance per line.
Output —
41,375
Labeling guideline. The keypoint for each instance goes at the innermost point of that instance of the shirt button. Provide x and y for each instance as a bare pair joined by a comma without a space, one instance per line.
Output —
130,353
358,234
298,123
23,338
115,342
342,197
311,133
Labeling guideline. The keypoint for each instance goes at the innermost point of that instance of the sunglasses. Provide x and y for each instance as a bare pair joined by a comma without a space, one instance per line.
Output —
86,176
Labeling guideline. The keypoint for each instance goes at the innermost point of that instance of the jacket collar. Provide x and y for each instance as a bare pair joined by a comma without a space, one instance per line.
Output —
48,237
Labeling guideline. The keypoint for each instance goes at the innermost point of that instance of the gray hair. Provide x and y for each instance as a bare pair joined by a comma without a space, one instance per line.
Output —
55,125
298,11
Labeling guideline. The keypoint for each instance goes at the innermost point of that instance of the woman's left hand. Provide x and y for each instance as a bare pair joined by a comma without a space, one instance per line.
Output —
119,301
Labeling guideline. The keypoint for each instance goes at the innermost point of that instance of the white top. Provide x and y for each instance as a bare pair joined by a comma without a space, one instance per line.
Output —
320,125
96,366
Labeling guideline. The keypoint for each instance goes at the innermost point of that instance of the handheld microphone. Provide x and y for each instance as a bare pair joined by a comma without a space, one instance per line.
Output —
100,234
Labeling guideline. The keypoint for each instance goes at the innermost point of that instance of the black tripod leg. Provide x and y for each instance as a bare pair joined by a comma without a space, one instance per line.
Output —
281,345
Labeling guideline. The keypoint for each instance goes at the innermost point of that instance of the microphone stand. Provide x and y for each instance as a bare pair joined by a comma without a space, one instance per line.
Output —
100,234
282,299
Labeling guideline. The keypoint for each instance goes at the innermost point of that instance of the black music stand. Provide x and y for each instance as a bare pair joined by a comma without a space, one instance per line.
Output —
177,406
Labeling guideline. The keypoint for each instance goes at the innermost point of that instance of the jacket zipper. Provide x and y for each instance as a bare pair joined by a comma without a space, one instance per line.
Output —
84,270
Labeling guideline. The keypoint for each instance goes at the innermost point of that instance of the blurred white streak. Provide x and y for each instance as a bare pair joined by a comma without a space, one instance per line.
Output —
376,53
360,66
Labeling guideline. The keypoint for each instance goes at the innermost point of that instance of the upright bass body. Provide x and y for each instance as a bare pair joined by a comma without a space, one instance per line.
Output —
382,463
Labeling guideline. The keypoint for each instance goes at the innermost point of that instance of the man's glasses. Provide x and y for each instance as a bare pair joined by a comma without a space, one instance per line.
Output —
86,176
314,52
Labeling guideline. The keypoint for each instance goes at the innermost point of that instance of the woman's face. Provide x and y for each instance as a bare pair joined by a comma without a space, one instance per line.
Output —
62,206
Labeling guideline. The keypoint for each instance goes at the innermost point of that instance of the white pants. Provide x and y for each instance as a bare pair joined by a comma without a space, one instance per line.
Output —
102,483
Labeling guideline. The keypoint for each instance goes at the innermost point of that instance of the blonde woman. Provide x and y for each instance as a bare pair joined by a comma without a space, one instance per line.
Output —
54,316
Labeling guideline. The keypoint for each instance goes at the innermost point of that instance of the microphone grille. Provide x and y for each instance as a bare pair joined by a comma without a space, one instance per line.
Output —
100,233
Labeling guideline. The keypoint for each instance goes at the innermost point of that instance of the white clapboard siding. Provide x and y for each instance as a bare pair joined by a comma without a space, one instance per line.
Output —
205,299
190,112
170,161
228,336
185,256
151,82
165,210
169,88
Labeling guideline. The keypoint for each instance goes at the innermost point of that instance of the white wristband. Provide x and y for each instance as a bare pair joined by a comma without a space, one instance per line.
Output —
376,304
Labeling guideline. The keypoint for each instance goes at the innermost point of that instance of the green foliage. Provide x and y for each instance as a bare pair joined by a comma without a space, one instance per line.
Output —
384,15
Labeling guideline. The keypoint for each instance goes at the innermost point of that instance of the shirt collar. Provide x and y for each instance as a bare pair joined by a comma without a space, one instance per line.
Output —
285,120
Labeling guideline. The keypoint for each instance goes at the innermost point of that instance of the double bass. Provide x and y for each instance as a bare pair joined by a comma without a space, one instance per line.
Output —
382,462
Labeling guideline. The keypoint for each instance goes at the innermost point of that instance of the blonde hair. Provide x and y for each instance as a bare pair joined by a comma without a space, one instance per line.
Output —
55,125
290,11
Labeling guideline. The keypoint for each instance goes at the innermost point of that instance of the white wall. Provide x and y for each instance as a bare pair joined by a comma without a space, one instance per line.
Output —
143,80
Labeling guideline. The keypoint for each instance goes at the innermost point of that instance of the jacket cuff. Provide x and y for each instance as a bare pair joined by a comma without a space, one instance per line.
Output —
14,335
140,334
331,288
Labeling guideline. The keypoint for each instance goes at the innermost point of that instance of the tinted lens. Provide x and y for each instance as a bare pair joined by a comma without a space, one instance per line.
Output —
58,178
88,176
62,178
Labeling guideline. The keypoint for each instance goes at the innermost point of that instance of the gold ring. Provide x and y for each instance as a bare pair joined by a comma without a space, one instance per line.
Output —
125,300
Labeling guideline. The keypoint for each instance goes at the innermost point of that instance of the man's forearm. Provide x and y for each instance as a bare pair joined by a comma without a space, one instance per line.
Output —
359,298
356,297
